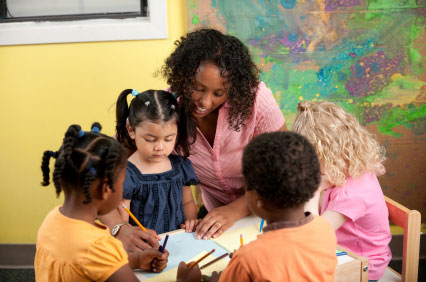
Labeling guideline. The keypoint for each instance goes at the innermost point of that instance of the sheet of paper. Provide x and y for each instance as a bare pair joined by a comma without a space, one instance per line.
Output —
170,275
230,240
183,247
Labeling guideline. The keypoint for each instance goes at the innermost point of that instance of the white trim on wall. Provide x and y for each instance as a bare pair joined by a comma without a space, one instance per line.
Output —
152,27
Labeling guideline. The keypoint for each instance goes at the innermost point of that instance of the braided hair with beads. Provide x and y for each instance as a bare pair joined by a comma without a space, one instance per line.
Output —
83,158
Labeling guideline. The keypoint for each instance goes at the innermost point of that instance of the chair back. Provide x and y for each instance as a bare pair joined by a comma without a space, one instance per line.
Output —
410,221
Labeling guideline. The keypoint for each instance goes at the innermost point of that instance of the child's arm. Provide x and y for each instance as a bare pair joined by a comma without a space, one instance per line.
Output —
336,219
149,260
125,273
123,214
132,237
189,209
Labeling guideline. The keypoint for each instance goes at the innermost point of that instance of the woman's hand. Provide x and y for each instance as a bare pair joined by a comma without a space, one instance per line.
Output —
149,260
215,223
190,224
186,274
134,239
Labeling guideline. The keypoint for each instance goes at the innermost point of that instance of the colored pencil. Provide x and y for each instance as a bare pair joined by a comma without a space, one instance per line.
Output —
261,225
133,217
192,264
241,239
340,253
215,260
162,248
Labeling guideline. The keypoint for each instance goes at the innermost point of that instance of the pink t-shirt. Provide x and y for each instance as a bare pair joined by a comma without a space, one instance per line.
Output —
219,168
366,232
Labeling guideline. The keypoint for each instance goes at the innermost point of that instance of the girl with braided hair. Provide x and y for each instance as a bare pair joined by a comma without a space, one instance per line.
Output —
71,245
157,185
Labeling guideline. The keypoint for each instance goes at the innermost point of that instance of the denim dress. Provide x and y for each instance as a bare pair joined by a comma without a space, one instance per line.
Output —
156,199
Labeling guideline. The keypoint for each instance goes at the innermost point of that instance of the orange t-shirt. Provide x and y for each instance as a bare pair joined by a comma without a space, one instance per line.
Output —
303,253
74,250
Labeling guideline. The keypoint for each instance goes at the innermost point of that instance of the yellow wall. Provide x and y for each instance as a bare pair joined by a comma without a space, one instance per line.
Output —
44,89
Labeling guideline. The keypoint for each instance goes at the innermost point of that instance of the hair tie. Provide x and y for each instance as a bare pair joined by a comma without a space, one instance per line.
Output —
147,103
134,92
92,171
172,107
80,133
96,129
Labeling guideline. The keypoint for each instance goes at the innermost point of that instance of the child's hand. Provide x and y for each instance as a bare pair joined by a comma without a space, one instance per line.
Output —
214,278
186,274
190,225
150,260
134,239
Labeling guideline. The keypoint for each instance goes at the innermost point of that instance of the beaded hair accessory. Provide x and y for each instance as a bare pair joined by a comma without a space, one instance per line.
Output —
172,107
80,133
96,129
147,103
134,92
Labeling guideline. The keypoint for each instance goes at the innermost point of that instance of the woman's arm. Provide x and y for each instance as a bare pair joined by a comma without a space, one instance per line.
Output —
222,218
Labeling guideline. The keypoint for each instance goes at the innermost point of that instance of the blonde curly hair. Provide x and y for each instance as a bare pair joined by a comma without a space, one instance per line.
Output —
345,148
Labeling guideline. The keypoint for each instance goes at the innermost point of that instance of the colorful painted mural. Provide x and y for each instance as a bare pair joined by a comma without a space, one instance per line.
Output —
369,56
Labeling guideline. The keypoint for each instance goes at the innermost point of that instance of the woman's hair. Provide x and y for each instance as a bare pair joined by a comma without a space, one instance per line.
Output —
232,58
156,106
83,158
345,147
282,167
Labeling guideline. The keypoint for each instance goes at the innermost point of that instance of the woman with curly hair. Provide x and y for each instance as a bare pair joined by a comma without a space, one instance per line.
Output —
352,199
219,89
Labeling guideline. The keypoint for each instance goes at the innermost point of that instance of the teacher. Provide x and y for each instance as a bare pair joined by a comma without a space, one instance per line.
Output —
219,89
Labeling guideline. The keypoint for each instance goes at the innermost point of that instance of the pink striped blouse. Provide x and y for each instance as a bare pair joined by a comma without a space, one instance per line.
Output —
219,168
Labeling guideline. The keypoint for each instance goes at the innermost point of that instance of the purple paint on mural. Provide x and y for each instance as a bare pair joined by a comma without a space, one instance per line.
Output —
371,74
374,113
294,42
331,5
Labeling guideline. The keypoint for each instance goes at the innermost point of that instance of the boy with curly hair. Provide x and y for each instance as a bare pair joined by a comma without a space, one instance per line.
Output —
281,172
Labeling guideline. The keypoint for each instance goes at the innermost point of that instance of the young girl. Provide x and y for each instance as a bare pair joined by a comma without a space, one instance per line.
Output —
71,246
352,200
157,185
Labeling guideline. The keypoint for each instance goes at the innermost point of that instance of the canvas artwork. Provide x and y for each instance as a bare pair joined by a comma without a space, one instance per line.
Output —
368,56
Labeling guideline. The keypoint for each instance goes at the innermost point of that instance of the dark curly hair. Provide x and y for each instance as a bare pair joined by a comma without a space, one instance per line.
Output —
282,167
235,64
83,158
155,106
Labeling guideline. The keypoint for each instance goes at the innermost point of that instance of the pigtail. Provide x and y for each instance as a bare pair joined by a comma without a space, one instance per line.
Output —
69,141
96,127
112,158
122,114
89,177
45,166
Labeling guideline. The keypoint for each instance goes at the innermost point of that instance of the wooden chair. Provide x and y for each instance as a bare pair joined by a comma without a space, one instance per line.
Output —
410,221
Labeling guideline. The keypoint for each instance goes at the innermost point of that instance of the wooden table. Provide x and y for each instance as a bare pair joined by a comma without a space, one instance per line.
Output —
350,267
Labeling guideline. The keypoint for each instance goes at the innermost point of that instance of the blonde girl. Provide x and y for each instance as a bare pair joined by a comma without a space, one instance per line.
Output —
351,196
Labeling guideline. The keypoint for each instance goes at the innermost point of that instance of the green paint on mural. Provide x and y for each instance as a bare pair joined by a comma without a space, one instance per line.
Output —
195,19
392,90
391,5
398,116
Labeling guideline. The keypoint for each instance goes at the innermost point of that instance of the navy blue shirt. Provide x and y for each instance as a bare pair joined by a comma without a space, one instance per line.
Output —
156,199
